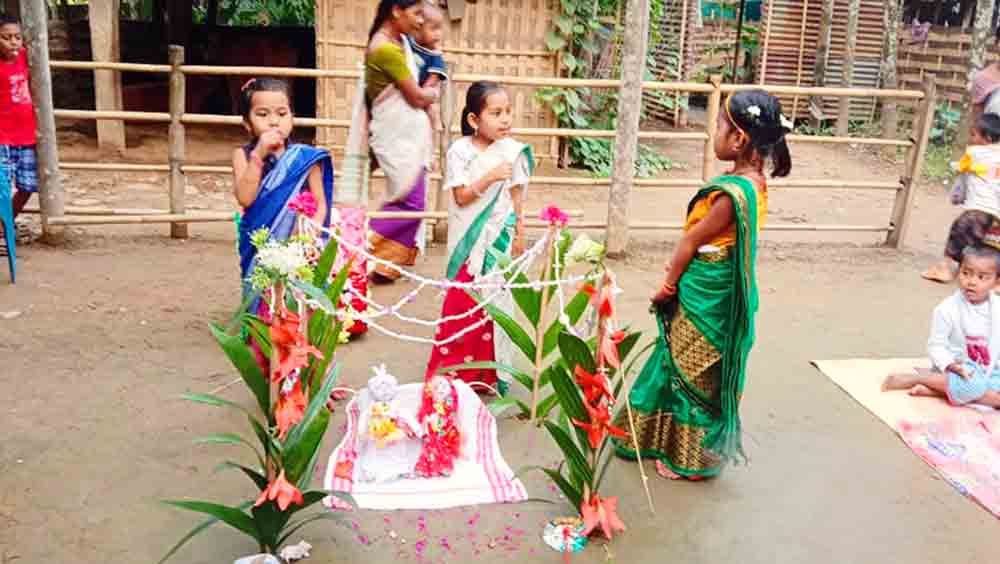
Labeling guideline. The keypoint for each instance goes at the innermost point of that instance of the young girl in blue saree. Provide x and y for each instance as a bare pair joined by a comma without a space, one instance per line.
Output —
270,172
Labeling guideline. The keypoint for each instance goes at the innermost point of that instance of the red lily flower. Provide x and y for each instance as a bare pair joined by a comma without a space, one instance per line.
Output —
609,348
601,512
594,386
599,426
282,492
603,300
290,410
291,346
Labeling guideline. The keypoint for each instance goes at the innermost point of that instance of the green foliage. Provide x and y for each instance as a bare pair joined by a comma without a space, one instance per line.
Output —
573,35
722,53
296,454
945,127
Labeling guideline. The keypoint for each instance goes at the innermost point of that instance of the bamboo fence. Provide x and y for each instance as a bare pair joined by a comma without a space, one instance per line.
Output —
176,167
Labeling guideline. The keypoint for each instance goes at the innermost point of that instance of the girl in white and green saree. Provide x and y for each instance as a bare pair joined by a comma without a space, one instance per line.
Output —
686,399
486,179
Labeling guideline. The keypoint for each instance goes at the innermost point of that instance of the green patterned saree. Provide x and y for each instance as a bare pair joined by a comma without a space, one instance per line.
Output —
686,399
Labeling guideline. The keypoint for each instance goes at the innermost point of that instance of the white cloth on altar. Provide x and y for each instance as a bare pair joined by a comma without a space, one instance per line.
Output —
481,475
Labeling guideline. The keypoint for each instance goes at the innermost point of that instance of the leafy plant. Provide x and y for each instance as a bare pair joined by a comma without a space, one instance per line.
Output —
573,36
290,418
945,127
721,52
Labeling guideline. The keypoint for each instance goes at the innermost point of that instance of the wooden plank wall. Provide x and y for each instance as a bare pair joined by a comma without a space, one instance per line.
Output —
945,54
497,37
788,64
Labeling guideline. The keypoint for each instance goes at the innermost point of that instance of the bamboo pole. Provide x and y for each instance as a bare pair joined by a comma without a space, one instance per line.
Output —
127,216
221,217
847,69
34,19
689,87
768,11
540,326
177,140
905,197
629,111
711,122
111,115
113,66
440,233
454,50
117,167
798,67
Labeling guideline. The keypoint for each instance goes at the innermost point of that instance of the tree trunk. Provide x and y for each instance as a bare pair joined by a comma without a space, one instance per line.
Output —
104,44
981,36
847,74
822,55
627,136
34,22
889,79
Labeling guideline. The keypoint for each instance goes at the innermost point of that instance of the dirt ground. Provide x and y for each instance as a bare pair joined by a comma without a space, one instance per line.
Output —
102,335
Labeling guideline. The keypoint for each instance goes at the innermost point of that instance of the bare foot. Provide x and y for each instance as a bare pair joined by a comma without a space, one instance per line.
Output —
899,381
665,472
939,273
923,391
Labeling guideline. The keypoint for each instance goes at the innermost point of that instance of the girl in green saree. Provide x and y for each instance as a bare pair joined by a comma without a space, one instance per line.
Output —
686,399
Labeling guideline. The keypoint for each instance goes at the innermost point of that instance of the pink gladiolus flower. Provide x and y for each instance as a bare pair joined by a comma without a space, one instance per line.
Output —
554,216
602,513
305,203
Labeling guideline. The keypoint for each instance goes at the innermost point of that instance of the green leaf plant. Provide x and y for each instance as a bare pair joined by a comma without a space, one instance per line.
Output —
290,378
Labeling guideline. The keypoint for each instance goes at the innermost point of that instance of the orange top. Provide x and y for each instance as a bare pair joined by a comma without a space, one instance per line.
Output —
727,238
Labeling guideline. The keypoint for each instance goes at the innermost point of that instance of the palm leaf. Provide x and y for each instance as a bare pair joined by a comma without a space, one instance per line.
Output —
232,516
520,338
580,472
230,439
574,310
259,479
304,438
325,264
242,358
294,527
195,531
574,495
575,352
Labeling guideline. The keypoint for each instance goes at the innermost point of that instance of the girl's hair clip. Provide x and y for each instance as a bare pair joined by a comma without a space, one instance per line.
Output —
247,84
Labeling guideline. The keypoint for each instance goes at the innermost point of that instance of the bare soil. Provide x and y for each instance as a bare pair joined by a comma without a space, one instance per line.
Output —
102,335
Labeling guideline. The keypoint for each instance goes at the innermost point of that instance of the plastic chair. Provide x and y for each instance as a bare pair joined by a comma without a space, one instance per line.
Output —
7,219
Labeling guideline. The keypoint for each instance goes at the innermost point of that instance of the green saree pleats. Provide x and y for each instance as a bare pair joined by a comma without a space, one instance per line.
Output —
686,398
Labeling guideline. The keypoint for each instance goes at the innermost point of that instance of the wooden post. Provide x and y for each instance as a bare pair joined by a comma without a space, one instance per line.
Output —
711,121
104,43
847,70
627,135
890,119
981,38
444,140
34,23
768,8
914,164
822,58
176,140
679,119
739,39
802,45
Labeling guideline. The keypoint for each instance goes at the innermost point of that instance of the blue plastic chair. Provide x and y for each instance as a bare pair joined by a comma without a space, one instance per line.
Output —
7,219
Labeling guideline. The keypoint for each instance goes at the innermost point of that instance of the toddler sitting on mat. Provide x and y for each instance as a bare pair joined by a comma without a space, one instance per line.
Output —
964,344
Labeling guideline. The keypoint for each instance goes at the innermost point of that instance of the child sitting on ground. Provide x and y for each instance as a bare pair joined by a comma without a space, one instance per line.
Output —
977,189
964,345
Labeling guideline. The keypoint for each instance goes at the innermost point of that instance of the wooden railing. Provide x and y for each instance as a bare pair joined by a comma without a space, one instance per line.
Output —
176,166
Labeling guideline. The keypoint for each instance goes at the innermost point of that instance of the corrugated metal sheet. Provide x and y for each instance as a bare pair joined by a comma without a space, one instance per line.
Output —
789,65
